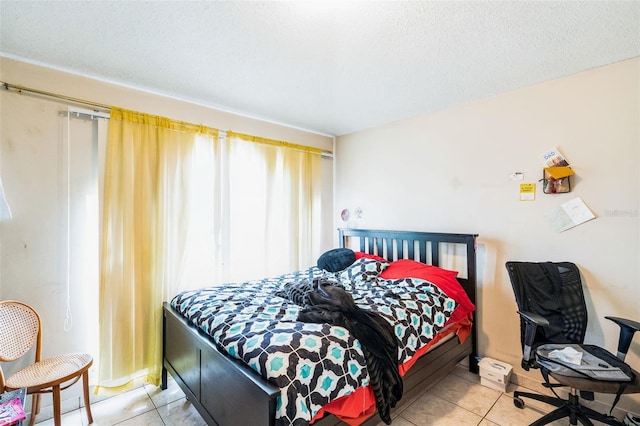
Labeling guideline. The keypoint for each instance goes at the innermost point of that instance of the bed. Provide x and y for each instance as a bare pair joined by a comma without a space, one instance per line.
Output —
227,391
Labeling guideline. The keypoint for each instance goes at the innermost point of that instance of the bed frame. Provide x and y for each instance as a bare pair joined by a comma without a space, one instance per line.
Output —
227,393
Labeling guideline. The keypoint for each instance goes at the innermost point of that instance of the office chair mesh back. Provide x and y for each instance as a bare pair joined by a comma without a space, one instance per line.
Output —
554,291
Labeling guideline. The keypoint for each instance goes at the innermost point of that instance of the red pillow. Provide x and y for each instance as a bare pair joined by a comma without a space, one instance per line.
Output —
443,278
360,254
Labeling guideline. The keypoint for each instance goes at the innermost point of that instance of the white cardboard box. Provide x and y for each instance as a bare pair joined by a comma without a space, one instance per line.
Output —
495,374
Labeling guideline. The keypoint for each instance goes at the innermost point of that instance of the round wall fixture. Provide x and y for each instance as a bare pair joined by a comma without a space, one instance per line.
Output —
345,215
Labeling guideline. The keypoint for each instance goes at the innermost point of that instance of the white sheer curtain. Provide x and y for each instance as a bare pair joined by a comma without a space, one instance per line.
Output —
260,215
271,210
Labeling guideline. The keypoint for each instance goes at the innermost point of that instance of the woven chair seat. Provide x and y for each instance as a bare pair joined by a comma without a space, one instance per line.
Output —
20,331
50,372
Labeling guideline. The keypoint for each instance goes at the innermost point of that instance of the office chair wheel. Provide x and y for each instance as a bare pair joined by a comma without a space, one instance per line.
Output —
518,402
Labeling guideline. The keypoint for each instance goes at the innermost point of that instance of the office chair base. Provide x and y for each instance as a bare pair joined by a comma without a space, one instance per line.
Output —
570,408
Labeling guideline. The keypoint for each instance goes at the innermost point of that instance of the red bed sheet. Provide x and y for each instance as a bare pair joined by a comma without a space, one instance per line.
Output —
357,407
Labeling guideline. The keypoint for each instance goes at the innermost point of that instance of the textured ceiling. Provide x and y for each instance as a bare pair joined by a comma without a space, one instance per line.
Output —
329,67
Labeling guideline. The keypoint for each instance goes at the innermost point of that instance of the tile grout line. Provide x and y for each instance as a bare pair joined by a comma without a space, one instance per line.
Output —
491,408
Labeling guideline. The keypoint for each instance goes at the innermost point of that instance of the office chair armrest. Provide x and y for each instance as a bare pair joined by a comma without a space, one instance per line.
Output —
534,318
627,330
532,321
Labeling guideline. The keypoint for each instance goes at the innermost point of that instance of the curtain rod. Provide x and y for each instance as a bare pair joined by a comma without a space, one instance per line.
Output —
18,88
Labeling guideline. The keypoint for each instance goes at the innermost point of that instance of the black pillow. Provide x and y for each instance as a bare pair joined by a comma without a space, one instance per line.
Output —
336,260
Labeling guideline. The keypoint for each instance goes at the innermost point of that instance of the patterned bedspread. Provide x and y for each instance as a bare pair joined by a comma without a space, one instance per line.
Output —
313,364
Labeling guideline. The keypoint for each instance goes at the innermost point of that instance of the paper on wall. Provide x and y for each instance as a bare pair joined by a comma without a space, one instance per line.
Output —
527,191
570,214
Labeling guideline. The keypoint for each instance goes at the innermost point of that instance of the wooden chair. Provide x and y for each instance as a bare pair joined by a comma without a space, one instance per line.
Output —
20,329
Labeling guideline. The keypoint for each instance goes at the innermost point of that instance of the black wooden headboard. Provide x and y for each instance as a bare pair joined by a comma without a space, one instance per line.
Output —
420,246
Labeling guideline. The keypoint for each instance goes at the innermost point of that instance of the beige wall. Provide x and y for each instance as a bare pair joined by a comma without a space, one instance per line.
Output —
453,167
74,86
45,79
449,172
32,138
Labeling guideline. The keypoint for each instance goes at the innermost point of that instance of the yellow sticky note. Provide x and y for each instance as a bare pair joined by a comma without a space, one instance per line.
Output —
527,191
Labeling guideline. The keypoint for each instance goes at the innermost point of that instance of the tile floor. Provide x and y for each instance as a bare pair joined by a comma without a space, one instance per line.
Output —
458,399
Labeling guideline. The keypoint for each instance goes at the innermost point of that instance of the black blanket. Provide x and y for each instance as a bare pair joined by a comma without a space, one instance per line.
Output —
331,304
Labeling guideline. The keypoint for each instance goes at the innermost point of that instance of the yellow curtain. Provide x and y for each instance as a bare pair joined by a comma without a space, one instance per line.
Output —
184,210
149,197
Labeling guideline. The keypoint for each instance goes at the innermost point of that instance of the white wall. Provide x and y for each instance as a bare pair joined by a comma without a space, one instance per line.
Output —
448,171
33,135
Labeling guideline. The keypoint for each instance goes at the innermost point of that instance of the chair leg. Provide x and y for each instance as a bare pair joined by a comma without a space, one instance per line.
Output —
556,414
580,417
57,416
539,397
35,408
570,408
87,402
562,412
603,418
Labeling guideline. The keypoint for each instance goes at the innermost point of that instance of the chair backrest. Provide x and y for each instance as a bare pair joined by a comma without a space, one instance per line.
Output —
552,290
20,329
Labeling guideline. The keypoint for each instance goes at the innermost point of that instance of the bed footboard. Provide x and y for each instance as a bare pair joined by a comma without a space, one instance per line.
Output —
223,390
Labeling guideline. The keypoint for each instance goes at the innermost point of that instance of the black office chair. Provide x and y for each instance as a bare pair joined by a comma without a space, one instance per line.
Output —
552,310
